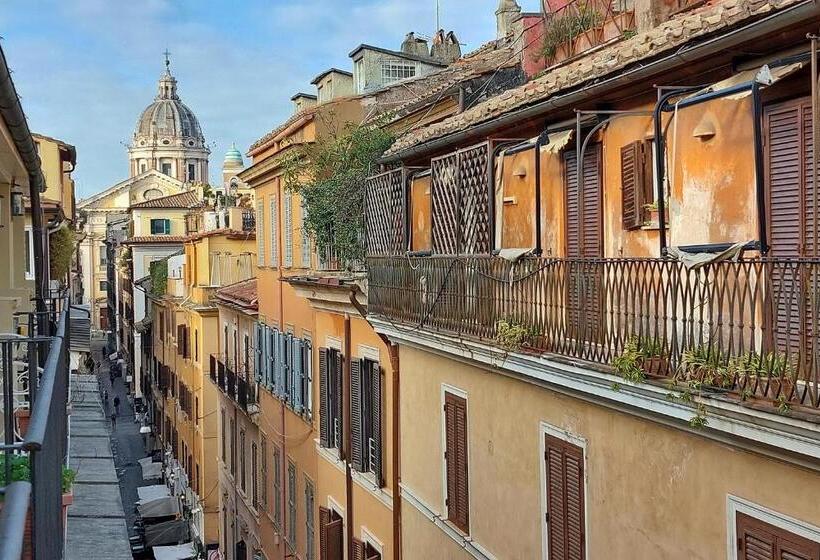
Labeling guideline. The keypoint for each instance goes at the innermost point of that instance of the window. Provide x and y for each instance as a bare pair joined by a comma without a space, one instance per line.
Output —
233,448
455,457
324,93
292,505
564,481
309,522
143,168
365,550
305,236
330,398
263,472
277,487
758,540
191,171
287,210
331,538
242,465
196,345
160,226
254,477
166,168
103,286
103,259
196,410
260,233
358,70
365,417
637,185
274,231
394,71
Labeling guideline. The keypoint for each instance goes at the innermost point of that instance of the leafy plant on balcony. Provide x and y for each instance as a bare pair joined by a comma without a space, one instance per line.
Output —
21,472
705,365
639,355
330,176
62,244
571,22
159,277
511,335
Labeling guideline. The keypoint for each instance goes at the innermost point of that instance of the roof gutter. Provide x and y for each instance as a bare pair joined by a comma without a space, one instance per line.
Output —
784,19
12,113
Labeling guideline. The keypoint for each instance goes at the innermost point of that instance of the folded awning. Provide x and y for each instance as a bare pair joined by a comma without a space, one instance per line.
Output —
764,75
150,469
178,552
153,492
161,507
166,533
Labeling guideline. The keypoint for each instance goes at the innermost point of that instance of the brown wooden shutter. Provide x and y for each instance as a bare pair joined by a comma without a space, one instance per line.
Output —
335,538
338,372
356,454
458,499
633,184
358,549
376,418
324,519
324,409
758,540
180,337
565,499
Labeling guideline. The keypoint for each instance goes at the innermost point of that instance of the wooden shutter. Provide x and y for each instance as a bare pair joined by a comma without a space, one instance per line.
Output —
324,519
260,237
358,549
376,419
758,540
287,211
635,183
356,453
274,232
324,409
180,336
584,206
565,499
458,499
334,537
339,404
298,374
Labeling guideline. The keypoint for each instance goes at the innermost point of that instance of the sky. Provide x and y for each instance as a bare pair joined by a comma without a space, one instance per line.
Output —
85,69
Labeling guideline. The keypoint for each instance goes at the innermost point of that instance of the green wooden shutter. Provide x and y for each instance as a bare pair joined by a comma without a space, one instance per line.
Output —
376,420
324,409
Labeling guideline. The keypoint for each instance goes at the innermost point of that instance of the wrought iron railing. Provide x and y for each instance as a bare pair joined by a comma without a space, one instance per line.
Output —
248,220
749,327
32,495
236,385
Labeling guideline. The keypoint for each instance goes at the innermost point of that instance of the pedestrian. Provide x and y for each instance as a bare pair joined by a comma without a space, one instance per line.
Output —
116,405
111,375
105,398
114,421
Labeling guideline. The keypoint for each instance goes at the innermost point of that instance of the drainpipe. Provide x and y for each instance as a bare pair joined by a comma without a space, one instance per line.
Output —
347,439
542,140
395,436
15,119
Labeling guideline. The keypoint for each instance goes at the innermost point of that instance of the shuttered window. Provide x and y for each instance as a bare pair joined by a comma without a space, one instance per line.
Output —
758,540
584,205
287,210
277,487
330,398
331,539
260,237
292,506
309,519
364,551
456,458
636,182
263,473
365,417
242,465
305,236
564,463
274,231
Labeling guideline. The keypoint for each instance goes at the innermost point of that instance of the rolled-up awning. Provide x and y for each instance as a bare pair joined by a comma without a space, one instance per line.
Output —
153,492
161,507
178,552
150,468
167,533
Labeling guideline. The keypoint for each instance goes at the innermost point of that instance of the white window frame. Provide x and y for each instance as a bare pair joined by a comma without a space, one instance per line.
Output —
396,71
273,203
260,233
735,505
545,429
361,79
29,232
446,388
287,210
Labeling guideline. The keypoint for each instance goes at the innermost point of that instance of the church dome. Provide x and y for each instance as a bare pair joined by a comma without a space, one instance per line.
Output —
168,120
233,157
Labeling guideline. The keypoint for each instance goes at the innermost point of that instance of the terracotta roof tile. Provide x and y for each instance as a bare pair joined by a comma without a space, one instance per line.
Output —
228,232
155,239
244,293
709,18
187,199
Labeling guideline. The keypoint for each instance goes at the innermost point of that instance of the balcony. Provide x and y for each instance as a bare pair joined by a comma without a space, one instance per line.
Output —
33,494
235,385
744,330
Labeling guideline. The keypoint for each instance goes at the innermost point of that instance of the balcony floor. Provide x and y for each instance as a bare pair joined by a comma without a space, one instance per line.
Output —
96,520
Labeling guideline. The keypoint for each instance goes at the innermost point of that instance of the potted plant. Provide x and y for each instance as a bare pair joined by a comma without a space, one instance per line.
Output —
651,212
23,417
584,26
68,477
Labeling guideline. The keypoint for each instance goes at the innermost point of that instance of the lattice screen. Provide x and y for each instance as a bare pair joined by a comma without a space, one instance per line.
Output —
385,211
445,204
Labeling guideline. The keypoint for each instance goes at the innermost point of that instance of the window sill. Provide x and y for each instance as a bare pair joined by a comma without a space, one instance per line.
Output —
652,226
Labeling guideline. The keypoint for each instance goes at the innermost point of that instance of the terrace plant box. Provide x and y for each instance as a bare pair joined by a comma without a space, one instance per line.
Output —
616,25
562,52
588,39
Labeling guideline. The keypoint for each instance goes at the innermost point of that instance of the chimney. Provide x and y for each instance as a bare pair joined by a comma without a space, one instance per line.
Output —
415,46
445,47
507,12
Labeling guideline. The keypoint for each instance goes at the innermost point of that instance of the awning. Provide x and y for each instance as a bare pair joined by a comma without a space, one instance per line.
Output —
166,533
178,552
161,507
150,468
557,141
153,492
764,75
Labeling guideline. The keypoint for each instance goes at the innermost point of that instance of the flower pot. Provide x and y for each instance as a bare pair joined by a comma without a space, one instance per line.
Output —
562,52
23,416
68,499
656,366
617,24
588,39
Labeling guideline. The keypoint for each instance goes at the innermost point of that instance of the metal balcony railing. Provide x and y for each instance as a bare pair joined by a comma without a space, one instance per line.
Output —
248,220
33,492
749,327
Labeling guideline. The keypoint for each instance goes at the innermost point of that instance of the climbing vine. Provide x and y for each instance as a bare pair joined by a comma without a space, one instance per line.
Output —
330,176
159,277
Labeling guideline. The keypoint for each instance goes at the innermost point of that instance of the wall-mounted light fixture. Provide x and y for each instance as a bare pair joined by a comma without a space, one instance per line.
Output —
520,171
18,208
705,130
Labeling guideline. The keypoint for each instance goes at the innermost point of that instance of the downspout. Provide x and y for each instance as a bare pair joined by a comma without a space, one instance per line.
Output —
15,119
395,436
347,438
543,138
